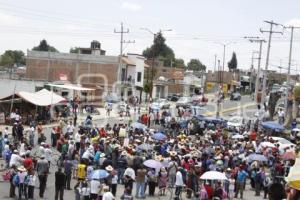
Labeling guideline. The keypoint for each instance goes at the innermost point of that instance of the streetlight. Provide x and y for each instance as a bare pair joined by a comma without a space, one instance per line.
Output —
224,50
153,53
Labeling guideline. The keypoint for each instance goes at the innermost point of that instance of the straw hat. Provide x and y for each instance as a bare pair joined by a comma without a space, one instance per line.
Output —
159,158
124,153
109,168
22,169
163,169
173,153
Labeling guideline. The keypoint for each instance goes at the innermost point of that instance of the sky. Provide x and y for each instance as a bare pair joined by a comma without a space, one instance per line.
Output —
199,27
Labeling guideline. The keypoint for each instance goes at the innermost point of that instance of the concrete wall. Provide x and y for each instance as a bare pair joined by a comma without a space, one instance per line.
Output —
51,66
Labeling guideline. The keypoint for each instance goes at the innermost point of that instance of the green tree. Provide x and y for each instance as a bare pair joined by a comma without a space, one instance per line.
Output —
179,62
12,57
196,65
74,50
44,46
160,50
232,64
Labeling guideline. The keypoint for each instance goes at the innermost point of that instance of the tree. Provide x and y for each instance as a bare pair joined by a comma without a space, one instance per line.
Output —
232,64
44,46
74,50
179,62
12,57
160,50
196,65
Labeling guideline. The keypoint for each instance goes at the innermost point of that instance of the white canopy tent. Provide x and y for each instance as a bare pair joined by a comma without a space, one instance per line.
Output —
71,87
41,98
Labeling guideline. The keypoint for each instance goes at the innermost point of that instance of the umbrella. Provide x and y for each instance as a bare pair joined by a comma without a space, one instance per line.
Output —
99,174
273,126
159,136
257,157
137,125
267,144
293,179
238,136
145,147
153,164
296,130
213,175
130,172
289,156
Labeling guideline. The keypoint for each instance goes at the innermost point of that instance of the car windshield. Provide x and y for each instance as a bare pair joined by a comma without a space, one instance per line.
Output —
183,99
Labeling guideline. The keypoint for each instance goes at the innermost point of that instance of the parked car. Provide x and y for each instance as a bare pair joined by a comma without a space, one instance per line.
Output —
283,143
235,123
112,98
94,113
235,96
160,104
184,102
173,97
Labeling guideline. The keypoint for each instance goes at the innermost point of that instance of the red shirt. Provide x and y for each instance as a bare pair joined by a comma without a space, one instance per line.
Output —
28,163
253,136
209,191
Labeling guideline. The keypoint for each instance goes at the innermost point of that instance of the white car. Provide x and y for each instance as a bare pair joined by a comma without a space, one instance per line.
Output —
235,122
160,104
184,102
283,143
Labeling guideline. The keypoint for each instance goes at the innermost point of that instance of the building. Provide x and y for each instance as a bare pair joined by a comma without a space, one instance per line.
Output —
166,80
99,72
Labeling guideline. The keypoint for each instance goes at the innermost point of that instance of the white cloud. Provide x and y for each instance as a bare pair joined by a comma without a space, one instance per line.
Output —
6,19
131,6
293,22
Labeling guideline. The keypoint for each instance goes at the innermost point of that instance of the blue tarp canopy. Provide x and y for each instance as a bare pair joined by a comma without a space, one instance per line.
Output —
273,126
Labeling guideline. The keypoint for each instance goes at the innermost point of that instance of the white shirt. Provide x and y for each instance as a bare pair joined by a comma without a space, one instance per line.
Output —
77,137
108,196
48,154
15,160
95,187
179,180
70,128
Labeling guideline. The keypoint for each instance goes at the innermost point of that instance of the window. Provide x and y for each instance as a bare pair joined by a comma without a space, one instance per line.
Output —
139,76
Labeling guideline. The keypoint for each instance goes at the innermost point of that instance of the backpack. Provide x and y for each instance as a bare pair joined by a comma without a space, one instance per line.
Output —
26,179
16,180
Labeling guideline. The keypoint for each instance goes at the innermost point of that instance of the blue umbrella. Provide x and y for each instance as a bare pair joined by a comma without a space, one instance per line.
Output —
137,125
257,157
100,174
273,126
159,136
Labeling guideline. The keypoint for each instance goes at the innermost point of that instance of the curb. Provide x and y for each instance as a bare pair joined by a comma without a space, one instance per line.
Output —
230,109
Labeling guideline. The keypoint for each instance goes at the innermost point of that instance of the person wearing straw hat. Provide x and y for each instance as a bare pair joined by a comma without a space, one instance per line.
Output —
22,174
42,168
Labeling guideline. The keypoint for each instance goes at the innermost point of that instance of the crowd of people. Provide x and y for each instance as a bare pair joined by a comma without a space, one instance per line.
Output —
96,160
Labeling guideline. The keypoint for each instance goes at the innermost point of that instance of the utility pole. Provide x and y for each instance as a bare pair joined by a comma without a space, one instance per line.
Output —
121,32
260,41
219,91
268,55
288,78
215,62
